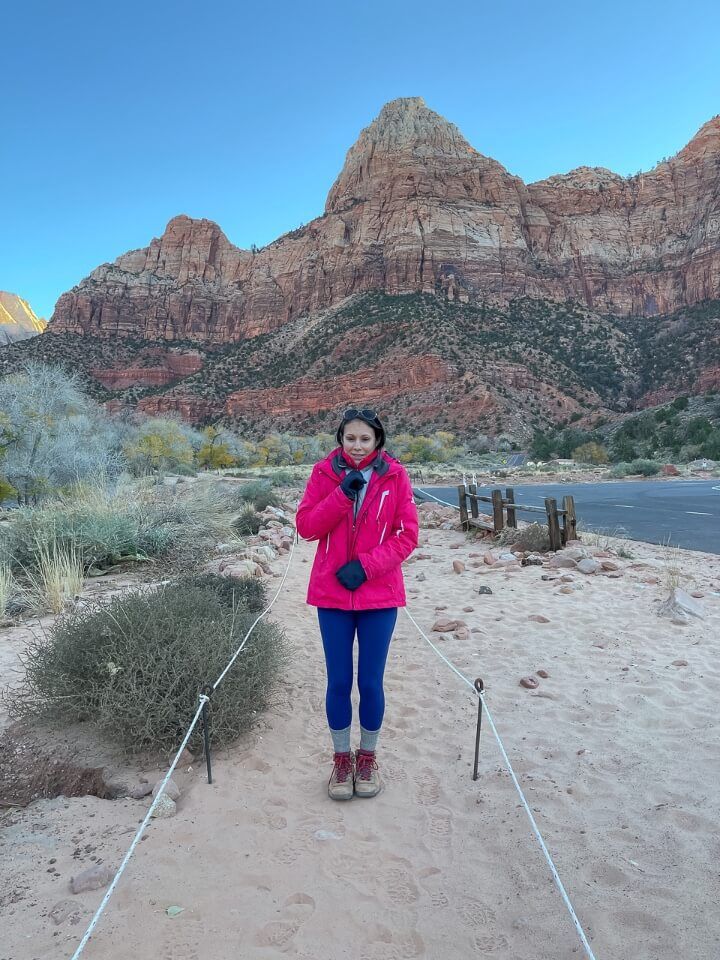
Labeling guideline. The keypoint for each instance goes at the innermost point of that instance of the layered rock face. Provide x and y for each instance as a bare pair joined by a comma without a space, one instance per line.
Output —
417,209
17,319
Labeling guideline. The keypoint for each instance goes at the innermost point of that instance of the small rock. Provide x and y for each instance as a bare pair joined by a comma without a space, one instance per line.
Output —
613,574
458,566
609,565
558,561
186,759
531,561
423,556
680,605
576,553
588,566
568,588
679,663
548,576
484,590
462,633
164,808
171,790
698,594
468,609
444,624
567,578
92,879
538,618
489,558
530,683
140,791
543,673
62,910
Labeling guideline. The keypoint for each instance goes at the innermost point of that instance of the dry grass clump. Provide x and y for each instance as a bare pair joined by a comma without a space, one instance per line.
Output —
7,588
57,577
533,537
134,665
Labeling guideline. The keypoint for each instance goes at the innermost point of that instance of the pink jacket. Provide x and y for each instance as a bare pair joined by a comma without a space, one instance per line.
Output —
384,534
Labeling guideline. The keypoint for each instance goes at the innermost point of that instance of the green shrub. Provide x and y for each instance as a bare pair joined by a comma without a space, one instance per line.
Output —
247,523
620,470
105,527
648,468
134,665
533,537
259,494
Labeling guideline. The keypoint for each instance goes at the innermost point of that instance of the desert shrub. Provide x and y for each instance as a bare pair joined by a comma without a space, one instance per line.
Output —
533,537
134,665
106,526
51,434
162,445
7,490
259,494
620,470
648,468
590,453
247,522
7,588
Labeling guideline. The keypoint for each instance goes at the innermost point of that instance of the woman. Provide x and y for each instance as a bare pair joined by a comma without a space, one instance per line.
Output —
358,505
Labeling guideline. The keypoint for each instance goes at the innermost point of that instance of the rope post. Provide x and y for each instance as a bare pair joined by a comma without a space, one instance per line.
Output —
463,506
570,519
472,491
479,686
205,699
553,523
510,498
497,505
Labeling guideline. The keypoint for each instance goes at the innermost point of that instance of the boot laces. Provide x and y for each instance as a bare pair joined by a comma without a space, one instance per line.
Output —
365,765
343,766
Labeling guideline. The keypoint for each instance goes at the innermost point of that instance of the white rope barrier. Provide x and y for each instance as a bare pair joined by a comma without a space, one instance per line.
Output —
443,502
508,765
203,700
138,835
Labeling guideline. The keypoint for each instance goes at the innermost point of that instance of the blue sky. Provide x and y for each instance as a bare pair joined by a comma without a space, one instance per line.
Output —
115,118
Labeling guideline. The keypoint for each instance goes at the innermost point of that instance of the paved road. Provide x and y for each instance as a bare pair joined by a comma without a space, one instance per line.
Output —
685,513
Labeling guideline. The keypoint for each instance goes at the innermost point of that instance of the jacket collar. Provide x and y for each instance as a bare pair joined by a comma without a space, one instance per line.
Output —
376,460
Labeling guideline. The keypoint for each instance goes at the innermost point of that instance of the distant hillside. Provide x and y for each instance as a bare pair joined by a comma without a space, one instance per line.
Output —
17,319
428,363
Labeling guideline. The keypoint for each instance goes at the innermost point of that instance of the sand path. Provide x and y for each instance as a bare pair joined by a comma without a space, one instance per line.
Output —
617,753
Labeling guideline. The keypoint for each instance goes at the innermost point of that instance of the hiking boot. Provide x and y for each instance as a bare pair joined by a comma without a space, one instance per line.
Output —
367,775
340,785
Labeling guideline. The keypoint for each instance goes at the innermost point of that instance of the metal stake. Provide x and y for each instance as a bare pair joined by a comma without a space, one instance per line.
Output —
479,686
207,690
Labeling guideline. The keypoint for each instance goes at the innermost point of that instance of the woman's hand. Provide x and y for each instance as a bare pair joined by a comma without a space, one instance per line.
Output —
352,483
351,575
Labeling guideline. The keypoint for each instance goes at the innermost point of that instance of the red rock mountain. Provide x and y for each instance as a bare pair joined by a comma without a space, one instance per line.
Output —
17,319
417,209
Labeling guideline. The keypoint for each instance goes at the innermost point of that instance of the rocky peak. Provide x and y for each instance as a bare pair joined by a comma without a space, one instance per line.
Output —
705,144
17,319
406,137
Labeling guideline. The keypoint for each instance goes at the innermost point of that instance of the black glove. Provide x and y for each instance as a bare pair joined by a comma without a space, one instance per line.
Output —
351,575
352,484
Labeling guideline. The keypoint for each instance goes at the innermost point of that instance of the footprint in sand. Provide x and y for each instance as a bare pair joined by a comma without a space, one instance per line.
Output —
486,944
474,912
279,933
440,829
394,945
428,788
430,879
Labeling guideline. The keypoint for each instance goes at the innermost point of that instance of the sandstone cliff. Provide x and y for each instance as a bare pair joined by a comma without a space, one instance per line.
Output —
417,209
17,319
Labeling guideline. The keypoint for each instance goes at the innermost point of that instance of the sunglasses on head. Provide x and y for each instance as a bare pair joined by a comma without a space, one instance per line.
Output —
366,413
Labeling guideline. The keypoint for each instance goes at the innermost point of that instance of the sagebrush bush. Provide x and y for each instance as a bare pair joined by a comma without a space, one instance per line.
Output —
259,494
134,665
247,522
533,537
134,521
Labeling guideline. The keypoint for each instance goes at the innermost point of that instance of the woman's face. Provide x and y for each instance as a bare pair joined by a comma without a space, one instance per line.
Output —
359,440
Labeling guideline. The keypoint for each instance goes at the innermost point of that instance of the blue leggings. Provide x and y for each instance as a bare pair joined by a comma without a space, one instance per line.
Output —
374,631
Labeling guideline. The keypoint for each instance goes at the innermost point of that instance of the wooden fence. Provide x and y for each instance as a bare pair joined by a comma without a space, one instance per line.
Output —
505,509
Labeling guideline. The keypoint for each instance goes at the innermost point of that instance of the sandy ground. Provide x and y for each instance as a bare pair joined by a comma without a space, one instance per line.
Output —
616,751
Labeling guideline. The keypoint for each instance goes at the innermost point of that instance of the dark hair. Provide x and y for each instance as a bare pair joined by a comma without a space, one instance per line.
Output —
373,422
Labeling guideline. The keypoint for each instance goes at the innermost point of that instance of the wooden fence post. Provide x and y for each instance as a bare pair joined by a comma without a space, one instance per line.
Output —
510,499
569,520
463,506
553,523
497,505
472,488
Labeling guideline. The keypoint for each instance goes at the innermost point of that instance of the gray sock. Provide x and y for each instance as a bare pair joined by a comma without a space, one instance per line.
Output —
368,739
341,740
